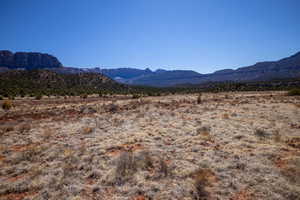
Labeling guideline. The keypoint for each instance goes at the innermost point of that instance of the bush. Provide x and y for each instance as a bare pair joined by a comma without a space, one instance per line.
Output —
84,96
7,105
1,98
38,97
261,133
199,98
294,92
136,96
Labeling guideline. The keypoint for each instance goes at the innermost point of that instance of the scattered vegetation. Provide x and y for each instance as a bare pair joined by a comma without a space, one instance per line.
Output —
7,105
152,148
34,83
294,92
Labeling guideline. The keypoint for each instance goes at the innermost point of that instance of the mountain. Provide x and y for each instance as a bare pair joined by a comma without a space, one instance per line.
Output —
28,60
125,73
166,78
147,77
263,71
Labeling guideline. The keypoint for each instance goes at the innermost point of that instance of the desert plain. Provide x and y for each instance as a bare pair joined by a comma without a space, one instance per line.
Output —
228,146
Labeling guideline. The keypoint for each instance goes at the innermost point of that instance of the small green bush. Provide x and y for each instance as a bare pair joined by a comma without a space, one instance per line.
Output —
294,92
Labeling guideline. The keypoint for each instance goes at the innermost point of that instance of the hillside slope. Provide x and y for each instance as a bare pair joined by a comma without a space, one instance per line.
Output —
49,82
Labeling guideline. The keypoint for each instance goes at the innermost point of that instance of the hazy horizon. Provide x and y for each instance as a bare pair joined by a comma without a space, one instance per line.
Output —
203,36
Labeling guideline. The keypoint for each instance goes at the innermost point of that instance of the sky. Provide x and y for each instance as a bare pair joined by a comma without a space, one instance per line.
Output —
200,35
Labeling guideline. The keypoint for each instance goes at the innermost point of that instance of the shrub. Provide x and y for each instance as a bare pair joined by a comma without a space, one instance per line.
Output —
163,168
136,96
87,130
150,94
294,92
7,128
84,96
24,127
7,105
277,136
202,179
126,167
199,98
1,98
261,133
112,108
38,97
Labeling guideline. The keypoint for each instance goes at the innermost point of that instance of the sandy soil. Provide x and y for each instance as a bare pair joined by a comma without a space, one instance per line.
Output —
235,146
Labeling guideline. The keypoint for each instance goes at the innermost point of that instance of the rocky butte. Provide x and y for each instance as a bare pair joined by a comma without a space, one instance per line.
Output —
28,60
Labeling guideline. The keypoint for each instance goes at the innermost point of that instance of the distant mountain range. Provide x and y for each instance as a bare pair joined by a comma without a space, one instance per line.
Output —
263,71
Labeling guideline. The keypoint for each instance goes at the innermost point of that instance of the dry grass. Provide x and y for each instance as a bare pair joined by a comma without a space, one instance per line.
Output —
230,146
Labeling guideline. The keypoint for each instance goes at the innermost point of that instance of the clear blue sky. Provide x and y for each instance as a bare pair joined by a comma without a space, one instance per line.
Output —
202,35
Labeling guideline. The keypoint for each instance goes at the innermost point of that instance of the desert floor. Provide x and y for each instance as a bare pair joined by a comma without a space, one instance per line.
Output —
238,146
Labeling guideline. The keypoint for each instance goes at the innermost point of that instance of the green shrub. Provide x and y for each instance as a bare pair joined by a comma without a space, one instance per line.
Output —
294,92
7,105
1,98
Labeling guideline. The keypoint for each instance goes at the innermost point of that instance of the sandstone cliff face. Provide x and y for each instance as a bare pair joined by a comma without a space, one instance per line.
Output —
28,60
